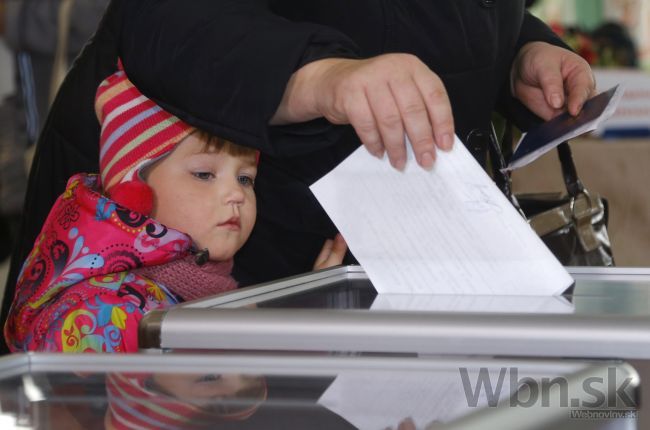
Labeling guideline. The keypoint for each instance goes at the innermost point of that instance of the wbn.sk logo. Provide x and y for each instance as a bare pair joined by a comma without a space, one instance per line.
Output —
528,392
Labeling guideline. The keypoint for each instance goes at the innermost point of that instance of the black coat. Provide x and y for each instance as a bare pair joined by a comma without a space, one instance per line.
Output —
222,65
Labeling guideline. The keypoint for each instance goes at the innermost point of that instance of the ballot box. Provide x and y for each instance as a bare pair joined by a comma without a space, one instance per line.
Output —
314,391
606,314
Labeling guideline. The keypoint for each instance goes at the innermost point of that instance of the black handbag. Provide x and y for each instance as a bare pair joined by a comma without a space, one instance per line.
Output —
572,225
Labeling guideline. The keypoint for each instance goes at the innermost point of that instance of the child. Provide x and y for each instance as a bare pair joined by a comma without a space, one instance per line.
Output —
161,226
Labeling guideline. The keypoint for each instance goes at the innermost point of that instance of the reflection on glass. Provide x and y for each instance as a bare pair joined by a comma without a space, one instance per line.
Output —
181,400
359,294
591,296
474,303
347,294
368,397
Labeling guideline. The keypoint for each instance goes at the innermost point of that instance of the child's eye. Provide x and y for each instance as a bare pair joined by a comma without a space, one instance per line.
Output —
245,180
208,378
204,176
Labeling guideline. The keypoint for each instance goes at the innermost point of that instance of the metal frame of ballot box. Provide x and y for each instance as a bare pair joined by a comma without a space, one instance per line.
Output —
32,384
224,322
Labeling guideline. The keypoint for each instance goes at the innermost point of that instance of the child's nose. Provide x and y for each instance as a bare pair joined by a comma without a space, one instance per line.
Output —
234,193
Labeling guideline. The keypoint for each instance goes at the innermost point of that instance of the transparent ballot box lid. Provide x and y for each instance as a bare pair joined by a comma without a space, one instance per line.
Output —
605,314
173,391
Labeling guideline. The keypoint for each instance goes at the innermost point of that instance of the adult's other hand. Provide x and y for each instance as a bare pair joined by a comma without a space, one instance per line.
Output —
550,80
384,98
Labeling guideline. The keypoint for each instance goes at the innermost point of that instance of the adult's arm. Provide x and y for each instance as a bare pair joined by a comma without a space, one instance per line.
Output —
222,65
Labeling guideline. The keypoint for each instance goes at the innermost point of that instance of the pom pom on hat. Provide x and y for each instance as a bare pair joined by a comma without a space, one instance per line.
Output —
135,195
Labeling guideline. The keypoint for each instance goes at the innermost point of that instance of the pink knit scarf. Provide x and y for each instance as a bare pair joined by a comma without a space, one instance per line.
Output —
191,281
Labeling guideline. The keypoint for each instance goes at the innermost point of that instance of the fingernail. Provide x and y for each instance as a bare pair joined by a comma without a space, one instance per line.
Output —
426,161
447,142
556,101
373,152
578,110
399,164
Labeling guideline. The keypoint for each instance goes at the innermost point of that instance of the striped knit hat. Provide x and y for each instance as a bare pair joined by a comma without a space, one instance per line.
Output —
134,133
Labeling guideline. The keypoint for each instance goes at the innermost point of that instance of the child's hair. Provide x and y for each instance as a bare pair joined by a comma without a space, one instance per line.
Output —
217,144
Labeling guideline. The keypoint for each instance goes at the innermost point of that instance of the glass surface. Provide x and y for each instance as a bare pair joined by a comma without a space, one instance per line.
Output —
378,396
589,296
345,294
163,400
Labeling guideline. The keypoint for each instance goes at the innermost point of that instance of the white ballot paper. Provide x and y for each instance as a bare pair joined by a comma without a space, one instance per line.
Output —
445,231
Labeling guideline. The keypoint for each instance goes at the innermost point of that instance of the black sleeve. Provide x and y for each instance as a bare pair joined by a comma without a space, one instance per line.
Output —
222,65
532,30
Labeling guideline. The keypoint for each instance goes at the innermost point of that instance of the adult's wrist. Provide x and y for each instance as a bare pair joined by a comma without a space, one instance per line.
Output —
303,97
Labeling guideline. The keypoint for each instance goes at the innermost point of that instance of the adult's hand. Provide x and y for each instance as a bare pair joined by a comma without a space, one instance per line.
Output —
550,80
332,253
383,98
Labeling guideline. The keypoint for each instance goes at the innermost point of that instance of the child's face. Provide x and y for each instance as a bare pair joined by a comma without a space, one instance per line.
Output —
208,195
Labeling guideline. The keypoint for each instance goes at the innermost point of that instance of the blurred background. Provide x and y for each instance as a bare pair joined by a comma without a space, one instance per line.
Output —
39,39
614,37
608,33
